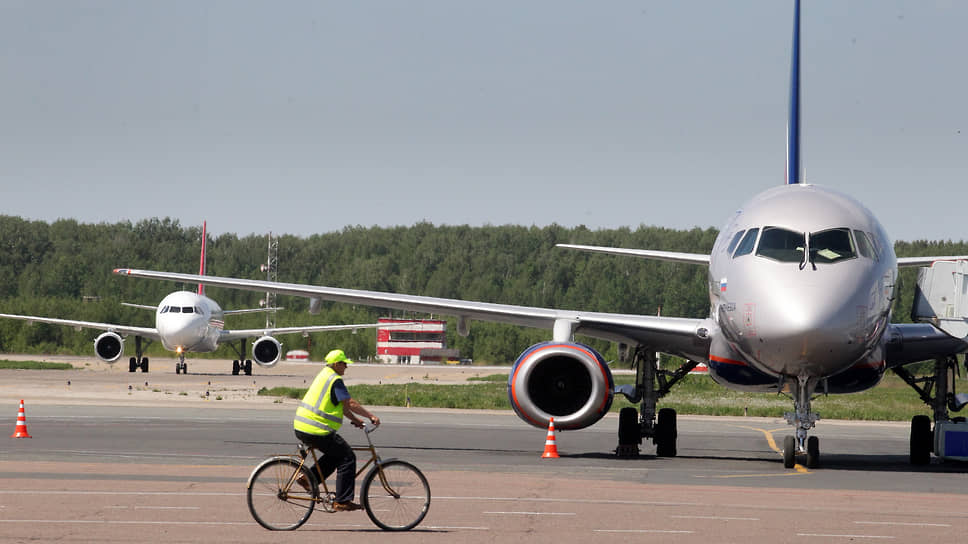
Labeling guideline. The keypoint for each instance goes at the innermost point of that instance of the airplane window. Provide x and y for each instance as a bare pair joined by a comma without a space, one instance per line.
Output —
164,310
175,310
187,310
864,245
876,243
746,246
831,246
732,244
198,310
781,245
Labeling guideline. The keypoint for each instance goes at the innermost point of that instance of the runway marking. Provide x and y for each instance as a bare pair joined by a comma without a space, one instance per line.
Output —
721,518
145,493
581,500
124,507
124,522
902,523
670,531
800,469
533,513
847,536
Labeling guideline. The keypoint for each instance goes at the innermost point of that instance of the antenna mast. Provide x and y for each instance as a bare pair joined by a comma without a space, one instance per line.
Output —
270,267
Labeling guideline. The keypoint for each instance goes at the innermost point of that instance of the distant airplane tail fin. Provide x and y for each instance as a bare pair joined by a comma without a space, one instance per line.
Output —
201,262
794,169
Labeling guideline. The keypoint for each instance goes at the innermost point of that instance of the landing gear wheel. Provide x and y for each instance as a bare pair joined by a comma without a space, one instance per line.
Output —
813,452
235,368
144,365
248,367
921,440
666,433
629,433
132,364
789,451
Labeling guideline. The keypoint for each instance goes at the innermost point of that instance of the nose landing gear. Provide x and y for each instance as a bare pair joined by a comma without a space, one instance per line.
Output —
803,420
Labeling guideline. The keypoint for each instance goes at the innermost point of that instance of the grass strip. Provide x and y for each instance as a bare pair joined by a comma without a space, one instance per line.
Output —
892,400
35,365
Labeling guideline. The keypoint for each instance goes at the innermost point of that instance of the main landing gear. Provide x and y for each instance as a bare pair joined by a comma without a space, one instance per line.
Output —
803,420
938,392
138,361
651,384
241,364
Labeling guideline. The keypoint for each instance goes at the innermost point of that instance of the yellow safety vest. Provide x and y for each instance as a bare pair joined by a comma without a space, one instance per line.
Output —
316,413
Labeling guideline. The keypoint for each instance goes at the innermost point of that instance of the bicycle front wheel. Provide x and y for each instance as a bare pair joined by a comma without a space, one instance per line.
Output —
277,499
397,497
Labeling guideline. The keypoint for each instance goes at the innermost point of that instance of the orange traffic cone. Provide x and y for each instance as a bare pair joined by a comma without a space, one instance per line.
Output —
21,430
551,449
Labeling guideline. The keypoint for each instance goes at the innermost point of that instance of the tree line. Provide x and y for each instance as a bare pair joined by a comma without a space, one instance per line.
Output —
64,269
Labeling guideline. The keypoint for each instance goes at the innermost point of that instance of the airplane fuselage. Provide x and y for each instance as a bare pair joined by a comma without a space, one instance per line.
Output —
188,321
801,282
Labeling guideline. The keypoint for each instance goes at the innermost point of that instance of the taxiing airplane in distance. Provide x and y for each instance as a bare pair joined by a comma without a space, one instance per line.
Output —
802,280
190,322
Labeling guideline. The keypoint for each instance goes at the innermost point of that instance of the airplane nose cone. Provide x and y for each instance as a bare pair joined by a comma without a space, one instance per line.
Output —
815,328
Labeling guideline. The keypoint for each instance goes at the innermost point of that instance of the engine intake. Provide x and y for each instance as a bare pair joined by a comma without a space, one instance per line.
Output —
266,351
564,380
109,347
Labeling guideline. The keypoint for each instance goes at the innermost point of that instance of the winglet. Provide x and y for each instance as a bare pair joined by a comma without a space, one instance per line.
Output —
201,262
793,164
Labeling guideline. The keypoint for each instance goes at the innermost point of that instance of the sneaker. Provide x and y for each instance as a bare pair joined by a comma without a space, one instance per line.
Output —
346,506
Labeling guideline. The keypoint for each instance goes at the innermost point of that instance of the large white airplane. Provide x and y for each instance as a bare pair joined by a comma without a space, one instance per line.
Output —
802,280
190,322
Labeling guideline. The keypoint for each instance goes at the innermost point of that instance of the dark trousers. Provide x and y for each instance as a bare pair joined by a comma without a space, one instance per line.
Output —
338,456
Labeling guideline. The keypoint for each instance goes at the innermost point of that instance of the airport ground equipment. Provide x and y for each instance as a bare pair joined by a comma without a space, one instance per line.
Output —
394,493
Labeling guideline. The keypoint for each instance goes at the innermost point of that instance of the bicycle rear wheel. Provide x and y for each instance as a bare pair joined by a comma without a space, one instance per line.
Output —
273,502
398,500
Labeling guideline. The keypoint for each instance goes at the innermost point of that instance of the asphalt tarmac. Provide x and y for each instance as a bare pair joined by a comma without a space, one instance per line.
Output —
111,464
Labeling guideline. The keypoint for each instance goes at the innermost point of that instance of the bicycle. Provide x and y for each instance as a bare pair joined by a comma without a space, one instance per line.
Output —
394,493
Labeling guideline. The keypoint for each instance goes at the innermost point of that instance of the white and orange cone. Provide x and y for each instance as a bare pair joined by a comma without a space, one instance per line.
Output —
21,430
551,449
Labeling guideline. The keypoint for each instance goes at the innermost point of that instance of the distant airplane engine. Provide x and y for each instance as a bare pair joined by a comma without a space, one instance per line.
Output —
564,380
109,347
266,351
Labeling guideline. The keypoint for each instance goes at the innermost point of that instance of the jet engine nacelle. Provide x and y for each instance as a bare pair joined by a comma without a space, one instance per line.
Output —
266,351
564,380
109,347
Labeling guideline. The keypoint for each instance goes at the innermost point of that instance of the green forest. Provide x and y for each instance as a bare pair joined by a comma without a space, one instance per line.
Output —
64,269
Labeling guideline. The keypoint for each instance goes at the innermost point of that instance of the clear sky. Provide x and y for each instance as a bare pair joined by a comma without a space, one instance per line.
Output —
302,117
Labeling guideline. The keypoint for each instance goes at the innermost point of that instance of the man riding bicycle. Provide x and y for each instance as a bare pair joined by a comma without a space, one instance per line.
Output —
320,415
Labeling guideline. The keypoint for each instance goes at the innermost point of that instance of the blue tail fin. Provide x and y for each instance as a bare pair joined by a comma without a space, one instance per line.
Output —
794,168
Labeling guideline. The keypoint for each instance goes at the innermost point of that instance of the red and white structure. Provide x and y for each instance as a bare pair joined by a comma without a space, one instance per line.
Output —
403,345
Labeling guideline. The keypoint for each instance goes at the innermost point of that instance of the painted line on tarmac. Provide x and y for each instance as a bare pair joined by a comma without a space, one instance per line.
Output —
847,536
903,523
662,531
533,513
717,518
770,441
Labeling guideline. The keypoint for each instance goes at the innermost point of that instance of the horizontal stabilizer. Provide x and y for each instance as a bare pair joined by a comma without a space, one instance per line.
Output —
941,297
141,306
251,311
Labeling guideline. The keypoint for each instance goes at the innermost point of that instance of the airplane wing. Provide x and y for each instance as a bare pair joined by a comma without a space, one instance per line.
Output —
227,336
250,311
144,332
926,261
141,306
671,256
679,336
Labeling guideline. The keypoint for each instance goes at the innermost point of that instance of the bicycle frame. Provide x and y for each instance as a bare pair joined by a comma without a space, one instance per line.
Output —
305,451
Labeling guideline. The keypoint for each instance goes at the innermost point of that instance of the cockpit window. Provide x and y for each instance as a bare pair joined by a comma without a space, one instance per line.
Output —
749,242
164,310
781,245
198,310
831,246
735,240
188,310
864,245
